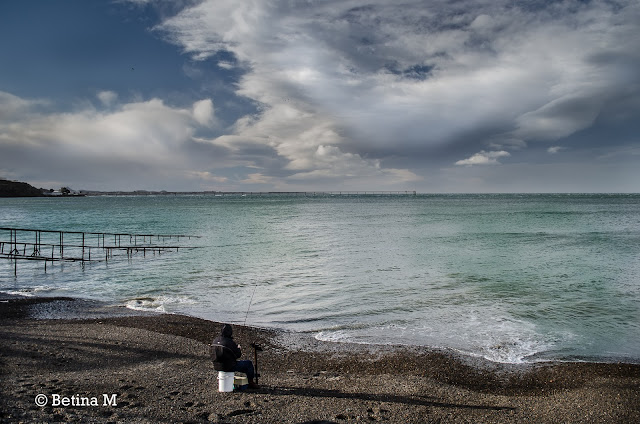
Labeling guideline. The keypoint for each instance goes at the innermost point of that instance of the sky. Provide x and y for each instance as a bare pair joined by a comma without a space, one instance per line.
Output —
437,96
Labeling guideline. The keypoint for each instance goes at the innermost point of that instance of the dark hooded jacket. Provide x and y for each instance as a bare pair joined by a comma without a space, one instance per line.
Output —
224,350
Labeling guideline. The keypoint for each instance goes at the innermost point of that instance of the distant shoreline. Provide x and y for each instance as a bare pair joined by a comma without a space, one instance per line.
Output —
241,193
10,188
20,189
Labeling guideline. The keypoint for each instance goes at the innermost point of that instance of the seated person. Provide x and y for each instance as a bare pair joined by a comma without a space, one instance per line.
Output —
225,354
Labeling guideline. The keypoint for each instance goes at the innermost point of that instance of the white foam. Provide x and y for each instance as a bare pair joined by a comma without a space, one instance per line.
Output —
512,345
512,352
19,292
335,337
30,291
158,304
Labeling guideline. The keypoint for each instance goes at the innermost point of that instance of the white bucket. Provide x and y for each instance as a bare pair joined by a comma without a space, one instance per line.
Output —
225,381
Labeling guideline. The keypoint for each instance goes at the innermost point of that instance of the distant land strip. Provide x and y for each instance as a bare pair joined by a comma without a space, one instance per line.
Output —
20,189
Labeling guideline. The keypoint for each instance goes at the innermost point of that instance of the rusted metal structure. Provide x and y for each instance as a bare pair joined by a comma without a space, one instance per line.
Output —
77,246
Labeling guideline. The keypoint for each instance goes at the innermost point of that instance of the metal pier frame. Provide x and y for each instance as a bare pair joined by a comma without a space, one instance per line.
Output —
81,250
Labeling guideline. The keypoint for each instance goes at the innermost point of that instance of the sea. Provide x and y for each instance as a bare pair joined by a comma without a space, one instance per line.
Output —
513,278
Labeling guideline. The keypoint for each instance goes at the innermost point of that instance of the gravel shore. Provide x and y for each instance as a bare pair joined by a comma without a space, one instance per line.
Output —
159,370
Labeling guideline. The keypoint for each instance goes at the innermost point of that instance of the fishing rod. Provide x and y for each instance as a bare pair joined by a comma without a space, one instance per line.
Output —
255,346
255,286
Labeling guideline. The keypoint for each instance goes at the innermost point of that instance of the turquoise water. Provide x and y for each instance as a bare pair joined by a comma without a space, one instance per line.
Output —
512,278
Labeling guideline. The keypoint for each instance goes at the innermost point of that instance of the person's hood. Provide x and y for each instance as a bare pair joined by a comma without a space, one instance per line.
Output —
227,331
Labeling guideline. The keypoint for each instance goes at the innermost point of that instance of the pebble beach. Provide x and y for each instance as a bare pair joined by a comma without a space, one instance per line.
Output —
156,368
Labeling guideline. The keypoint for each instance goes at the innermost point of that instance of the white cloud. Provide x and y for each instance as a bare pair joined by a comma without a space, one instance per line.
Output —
402,175
483,23
144,138
107,97
484,158
258,178
145,131
16,108
203,112
142,130
206,176
559,118
554,149
225,65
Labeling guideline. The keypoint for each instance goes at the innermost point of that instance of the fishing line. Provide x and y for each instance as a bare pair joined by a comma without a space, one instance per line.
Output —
255,286
256,347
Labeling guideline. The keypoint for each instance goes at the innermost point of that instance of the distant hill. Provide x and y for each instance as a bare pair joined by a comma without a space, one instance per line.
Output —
18,189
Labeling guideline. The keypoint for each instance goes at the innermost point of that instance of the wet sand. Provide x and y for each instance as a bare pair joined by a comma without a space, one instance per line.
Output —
159,370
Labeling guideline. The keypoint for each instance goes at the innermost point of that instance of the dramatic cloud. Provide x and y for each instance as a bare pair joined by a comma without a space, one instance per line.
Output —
372,79
361,94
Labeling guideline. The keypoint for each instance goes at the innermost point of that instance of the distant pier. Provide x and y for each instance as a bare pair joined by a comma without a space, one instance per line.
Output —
77,246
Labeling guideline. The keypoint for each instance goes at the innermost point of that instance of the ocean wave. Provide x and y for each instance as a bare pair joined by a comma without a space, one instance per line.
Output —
30,291
158,304
510,350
